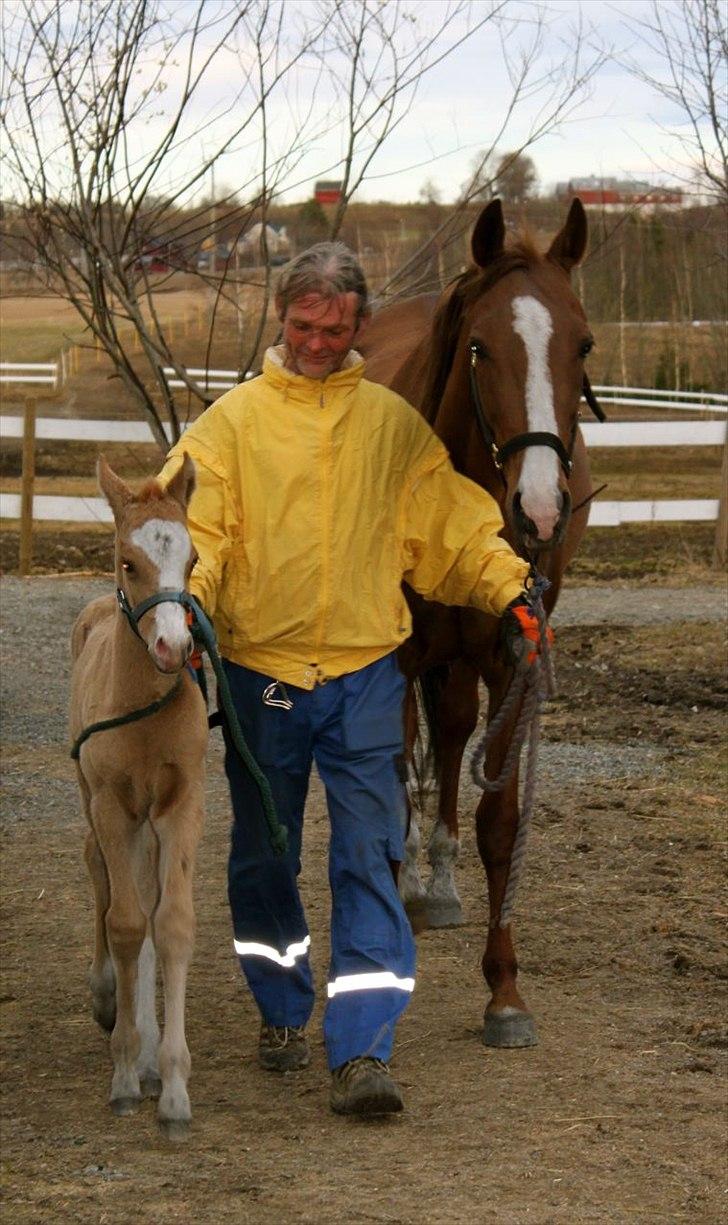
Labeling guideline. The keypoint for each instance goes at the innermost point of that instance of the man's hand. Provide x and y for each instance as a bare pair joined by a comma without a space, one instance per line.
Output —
520,632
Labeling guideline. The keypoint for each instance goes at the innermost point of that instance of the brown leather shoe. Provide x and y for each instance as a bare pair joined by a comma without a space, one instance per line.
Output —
283,1048
363,1086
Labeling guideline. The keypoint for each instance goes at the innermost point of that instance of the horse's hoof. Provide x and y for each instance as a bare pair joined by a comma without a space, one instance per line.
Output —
122,1106
509,1028
444,913
151,1085
417,914
174,1129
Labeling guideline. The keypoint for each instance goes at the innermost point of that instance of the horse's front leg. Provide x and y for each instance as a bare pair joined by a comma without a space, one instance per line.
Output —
410,883
508,1022
456,718
178,829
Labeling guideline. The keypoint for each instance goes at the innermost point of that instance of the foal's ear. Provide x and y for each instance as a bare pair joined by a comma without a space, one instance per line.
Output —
489,234
116,491
569,245
182,484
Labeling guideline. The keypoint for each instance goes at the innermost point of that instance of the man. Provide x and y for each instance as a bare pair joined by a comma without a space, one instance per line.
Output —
318,493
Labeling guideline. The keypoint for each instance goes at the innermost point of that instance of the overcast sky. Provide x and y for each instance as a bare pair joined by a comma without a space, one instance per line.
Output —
461,106
614,132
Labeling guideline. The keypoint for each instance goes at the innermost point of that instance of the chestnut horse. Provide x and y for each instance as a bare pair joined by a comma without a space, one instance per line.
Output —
141,786
496,365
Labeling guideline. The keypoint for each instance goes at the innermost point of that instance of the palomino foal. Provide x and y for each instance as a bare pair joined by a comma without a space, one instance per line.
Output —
142,789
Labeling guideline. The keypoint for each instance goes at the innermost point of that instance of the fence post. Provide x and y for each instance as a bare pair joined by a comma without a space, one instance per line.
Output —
26,489
720,553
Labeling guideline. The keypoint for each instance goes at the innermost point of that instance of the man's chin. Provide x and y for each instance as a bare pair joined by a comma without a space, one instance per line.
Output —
316,370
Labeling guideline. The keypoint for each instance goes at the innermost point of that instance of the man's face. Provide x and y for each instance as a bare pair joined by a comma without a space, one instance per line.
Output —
318,333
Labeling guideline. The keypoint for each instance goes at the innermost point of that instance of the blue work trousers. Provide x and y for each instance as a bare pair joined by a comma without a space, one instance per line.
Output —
352,727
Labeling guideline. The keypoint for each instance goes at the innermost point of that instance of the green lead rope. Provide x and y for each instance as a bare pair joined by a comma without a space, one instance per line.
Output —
104,724
204,635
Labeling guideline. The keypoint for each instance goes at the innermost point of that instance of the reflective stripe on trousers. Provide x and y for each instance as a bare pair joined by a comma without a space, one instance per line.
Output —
352,728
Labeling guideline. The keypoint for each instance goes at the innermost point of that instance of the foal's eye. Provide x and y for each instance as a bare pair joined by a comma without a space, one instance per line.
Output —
127,567
586,347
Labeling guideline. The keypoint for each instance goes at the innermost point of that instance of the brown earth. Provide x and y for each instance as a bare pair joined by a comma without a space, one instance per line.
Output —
618,1114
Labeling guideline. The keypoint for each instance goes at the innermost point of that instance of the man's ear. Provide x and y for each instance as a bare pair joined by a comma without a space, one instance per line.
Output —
361,327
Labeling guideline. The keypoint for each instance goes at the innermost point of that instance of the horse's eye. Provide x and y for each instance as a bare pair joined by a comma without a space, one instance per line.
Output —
586,347
127,567
477,348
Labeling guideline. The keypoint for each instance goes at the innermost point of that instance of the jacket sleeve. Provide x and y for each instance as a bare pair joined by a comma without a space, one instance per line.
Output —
212,521
452,549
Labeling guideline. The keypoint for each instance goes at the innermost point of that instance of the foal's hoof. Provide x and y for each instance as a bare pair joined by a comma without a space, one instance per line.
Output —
444,912
509,1028
122,1106
174,1129
104,1013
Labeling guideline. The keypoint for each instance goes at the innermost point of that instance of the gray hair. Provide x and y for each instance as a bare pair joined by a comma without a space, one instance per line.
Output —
328,269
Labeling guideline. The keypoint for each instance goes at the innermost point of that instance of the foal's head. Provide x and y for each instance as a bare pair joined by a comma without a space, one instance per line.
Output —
154,553
517,310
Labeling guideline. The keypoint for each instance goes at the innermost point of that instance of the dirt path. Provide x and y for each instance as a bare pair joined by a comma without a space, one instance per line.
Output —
616,1116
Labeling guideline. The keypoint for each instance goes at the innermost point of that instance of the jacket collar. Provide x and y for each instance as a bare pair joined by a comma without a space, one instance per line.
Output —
303,388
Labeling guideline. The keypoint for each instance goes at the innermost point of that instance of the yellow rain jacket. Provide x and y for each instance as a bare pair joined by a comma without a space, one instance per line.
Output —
314,499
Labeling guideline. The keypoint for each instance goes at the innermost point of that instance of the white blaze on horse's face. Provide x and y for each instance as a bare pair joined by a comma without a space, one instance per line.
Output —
168,546
539,480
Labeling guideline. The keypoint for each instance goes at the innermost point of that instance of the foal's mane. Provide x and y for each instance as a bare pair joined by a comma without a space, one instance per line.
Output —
447,323
150,491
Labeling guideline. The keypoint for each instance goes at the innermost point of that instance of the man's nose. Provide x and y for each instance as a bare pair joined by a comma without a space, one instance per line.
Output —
315,342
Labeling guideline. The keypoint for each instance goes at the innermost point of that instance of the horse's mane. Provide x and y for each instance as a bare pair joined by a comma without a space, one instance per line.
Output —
447,323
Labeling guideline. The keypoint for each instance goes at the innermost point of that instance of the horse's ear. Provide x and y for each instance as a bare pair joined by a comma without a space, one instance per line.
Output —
569,245
182,484
489,234
117,492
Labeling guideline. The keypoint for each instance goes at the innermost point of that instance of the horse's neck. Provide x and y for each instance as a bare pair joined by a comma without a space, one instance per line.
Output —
133,679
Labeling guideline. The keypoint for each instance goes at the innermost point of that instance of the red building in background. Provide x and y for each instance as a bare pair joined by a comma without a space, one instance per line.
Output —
619,193
327,192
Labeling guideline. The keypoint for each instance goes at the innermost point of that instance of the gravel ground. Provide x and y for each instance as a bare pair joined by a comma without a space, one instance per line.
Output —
616,1117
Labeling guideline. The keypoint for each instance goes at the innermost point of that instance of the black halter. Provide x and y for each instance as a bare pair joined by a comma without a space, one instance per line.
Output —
134,615
533,438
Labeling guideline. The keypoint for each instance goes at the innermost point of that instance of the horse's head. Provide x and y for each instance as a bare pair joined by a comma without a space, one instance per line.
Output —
154,553
518,363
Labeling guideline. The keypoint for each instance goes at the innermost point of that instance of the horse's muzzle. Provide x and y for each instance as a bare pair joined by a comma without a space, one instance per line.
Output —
528,534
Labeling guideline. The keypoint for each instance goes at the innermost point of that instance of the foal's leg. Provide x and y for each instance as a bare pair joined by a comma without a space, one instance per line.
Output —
117,835
147,880
457,716
178,830
101,975
507,1020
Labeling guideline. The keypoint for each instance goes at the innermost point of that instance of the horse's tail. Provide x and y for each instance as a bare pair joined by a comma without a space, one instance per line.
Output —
428,754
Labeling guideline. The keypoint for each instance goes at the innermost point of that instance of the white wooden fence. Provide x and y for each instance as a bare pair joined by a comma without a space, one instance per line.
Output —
44,373
597,434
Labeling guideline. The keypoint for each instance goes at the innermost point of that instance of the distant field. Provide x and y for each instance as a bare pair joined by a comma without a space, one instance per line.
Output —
37,329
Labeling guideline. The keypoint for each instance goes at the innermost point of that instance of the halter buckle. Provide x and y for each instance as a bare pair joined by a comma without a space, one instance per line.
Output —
495,452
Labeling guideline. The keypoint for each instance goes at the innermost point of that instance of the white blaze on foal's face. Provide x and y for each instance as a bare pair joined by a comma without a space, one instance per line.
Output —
539,480
168,546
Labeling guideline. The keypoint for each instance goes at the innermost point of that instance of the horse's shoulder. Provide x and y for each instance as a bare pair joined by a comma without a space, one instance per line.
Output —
93,615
